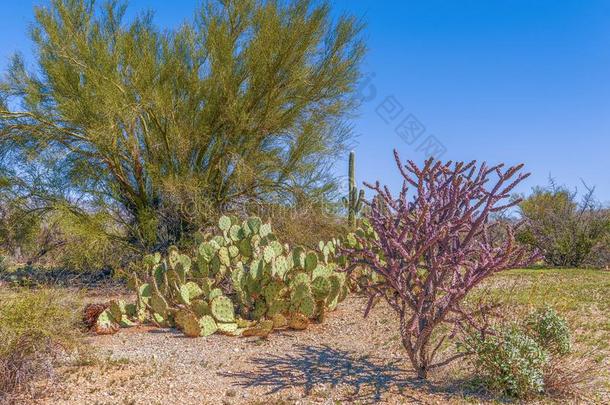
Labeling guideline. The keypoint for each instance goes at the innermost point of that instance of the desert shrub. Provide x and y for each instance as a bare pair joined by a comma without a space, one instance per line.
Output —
550,330
565,230
304,224
509,362
571,375
29,276
599,256
35,327
530,357
83,242
60,237
18,228
433,246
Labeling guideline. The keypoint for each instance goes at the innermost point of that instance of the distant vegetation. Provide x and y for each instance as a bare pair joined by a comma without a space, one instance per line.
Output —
569,233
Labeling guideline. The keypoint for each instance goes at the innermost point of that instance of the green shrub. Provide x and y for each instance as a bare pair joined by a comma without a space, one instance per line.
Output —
527,358
35,326
567,232
510,363
550,330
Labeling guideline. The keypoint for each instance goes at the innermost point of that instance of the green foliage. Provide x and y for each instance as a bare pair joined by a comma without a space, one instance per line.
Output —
34,326
519,360
511,362
44,313
163,129
19,230
57,236
550,330
225,285
81,241
564,230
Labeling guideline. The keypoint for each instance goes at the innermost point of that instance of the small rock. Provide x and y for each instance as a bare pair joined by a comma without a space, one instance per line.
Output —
230,393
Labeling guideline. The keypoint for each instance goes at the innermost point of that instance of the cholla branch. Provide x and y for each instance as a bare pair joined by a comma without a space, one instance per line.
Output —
434,246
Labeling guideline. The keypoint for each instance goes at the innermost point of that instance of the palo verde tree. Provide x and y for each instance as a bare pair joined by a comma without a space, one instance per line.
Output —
433,246
165,128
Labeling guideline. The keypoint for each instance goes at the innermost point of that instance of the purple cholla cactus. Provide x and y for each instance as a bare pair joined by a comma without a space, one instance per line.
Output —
434,246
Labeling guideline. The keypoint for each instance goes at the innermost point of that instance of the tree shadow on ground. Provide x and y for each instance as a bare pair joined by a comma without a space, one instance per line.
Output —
365,378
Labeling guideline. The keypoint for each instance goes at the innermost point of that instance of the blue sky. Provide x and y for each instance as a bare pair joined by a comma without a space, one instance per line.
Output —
513,81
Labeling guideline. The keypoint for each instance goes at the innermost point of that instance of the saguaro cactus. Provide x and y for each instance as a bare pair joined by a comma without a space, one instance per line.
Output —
355,198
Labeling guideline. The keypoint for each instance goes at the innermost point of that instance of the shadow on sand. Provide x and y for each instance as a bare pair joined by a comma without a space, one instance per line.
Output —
365,378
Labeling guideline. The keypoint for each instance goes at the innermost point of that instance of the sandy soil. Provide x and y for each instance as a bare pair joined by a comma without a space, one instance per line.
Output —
345,360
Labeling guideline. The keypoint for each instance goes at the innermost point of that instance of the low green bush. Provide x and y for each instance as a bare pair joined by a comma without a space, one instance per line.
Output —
521,360
35,327
511,362
568,232
550,330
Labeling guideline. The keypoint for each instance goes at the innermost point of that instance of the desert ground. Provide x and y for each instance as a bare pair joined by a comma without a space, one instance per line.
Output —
347,359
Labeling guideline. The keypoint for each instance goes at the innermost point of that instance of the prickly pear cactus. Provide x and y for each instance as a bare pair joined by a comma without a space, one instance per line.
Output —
222,309
118,310
298,322
106,325
227,328
279,321
261,329
189,323
200,307
159,304
321,287
208,325
243,269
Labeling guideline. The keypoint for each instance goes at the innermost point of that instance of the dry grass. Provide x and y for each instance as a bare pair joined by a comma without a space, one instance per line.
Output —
572,377
29,357
36,326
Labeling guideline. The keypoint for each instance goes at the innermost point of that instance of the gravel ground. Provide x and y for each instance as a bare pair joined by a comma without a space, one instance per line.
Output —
345,360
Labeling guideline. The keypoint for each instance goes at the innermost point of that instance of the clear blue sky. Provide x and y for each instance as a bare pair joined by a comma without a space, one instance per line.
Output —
514,81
